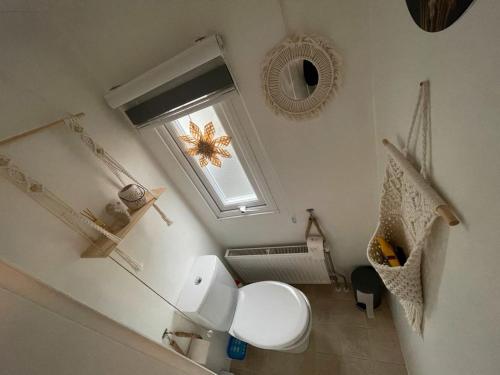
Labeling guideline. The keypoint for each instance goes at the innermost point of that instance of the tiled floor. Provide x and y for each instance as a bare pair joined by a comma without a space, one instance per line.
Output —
343,342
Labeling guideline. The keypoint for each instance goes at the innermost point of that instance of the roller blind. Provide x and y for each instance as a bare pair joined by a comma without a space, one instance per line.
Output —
195,89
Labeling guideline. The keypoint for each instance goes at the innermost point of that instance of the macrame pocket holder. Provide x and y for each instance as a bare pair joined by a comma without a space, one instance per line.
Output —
408,208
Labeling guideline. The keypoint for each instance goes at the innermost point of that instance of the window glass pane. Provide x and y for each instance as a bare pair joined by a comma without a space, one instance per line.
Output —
230,182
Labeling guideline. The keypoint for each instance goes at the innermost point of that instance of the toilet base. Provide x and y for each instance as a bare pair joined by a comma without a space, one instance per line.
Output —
301,348
301,345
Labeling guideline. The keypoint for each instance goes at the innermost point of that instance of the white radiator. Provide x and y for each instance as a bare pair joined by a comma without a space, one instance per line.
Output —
290,264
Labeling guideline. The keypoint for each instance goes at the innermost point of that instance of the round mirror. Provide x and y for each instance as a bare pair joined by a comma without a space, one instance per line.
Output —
300,75
299,79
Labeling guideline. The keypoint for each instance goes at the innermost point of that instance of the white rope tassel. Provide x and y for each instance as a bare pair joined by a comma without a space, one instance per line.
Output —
420,125
136,266
49,200
113,165
162,214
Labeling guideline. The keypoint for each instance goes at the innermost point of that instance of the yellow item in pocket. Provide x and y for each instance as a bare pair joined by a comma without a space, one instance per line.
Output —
388,252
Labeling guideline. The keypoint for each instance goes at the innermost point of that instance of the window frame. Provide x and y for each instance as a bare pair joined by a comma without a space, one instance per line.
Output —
231,113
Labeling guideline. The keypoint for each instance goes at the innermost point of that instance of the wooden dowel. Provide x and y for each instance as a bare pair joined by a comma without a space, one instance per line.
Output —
36,130
445,212
187,334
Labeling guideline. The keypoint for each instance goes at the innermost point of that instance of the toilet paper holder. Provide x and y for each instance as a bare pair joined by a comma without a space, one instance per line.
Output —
334,275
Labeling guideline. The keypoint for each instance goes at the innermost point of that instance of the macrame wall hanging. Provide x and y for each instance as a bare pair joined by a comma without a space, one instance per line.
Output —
408,208
57,206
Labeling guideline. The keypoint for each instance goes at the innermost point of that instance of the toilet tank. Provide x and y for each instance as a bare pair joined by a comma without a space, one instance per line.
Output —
209,294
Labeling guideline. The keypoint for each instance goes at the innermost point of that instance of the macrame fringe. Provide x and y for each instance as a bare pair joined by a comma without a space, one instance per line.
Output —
313,105
414,315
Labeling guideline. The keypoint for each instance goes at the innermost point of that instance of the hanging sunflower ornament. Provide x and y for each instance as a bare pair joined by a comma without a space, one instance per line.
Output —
205,145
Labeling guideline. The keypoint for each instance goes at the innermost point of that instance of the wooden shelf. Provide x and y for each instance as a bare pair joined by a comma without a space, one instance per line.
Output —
104,246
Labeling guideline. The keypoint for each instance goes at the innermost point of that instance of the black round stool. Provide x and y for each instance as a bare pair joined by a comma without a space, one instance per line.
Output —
368,288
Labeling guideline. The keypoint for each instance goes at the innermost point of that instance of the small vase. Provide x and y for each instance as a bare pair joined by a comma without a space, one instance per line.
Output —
133,196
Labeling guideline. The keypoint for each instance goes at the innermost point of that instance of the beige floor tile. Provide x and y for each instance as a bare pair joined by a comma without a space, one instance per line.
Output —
278,363
381,368
354,366
340,311
384,334
326,338
384,346
254,360
243,372
355,342
326,364
341,340
326,293
323,293
383,317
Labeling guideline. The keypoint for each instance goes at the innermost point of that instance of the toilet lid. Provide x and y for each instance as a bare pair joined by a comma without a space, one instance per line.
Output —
270,314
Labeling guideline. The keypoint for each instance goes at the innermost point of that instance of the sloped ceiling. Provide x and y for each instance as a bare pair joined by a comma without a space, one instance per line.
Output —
327,163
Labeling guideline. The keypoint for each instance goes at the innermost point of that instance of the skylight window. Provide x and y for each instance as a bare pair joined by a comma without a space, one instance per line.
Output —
234,188
229,181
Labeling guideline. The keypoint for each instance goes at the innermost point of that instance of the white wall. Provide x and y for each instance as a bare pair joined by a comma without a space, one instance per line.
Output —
462,313
43,332
43,77
36,341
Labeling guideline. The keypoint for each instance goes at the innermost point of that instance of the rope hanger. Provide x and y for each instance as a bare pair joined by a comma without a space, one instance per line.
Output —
421,116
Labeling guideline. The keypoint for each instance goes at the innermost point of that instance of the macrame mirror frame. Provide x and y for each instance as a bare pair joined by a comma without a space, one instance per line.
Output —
327,62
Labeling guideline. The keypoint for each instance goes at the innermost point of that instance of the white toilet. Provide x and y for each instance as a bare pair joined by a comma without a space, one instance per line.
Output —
267,314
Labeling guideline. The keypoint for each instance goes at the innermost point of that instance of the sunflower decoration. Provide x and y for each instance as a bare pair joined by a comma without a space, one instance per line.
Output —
205,145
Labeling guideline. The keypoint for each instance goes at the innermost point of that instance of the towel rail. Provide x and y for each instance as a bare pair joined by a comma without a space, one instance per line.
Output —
36,130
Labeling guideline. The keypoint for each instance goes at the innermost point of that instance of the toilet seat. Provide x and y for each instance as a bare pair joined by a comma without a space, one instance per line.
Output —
270,315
